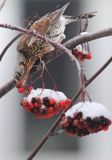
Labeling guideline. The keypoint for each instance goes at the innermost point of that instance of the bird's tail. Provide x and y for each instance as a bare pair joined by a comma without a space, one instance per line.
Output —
70,19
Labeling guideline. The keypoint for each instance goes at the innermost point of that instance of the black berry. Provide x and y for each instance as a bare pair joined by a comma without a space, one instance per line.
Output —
46,101
33,100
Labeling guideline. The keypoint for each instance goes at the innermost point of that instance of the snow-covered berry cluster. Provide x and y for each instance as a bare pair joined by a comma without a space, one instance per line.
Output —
81,54
85,118
44,103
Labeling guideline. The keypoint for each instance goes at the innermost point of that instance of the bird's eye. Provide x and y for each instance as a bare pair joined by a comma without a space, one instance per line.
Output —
17,75
22,63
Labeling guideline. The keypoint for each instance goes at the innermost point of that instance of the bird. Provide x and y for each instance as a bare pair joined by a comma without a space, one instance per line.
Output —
57,34
31,49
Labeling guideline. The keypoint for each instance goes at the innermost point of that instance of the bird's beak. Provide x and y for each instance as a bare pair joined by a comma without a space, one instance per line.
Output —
54,16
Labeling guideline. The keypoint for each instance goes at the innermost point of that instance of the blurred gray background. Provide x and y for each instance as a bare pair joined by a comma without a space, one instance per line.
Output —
20,132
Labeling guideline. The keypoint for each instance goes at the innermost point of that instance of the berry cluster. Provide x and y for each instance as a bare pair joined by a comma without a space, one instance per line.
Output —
86,118
81,54
45,103
23,89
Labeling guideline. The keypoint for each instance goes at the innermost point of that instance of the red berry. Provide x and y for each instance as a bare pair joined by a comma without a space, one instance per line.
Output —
25,103
68,101
50,110
63,104
31,105
36,104
27,108
64,122
76,122
106,128
52,101
27,92
63,118
75,53
49,115
38,100
80,56
21,90
70,133
30,88
88,56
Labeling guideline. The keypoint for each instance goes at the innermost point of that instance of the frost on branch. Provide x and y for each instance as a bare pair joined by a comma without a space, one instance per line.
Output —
85,118
44,103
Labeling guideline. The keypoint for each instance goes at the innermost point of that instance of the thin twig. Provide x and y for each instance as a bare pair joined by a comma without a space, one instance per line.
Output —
2,4
8,45
55,124
6,88
92,78
83,28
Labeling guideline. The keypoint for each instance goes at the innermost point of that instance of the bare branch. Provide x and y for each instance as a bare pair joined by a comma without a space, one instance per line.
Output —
9,86
92,78
69,44
72,42
78,40
2,2
59,46
6,88
55,124
88,37
8,45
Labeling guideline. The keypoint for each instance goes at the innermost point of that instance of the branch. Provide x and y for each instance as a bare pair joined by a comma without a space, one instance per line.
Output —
55,124
56,45
6,88
69,44
88,37
2,4
59,46
72,43
8,45
92,78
